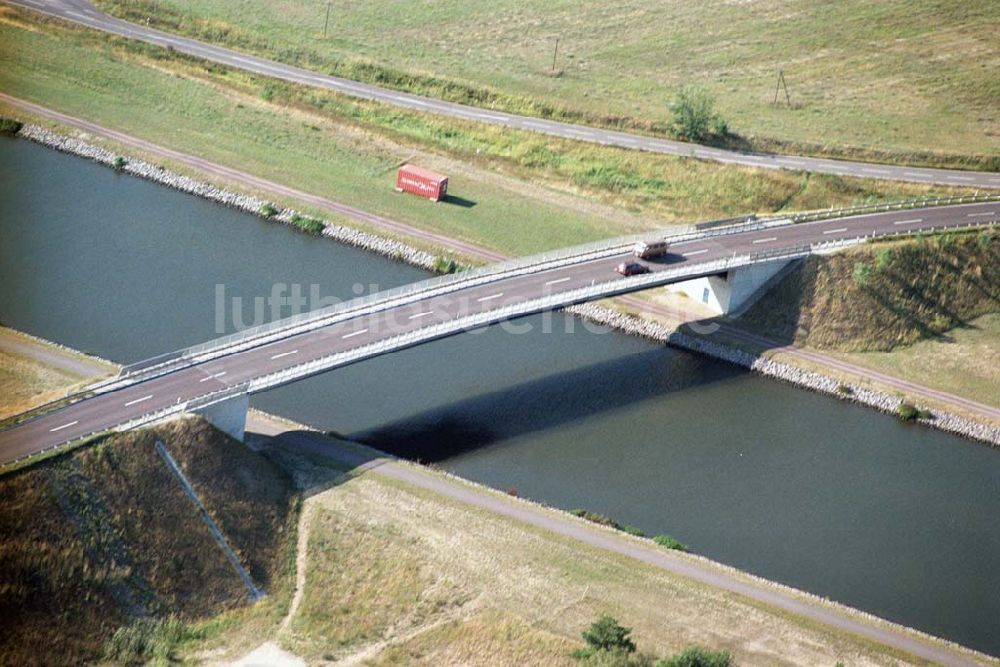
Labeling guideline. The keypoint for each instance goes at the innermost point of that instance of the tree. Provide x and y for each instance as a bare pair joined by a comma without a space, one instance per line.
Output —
606,634
694,115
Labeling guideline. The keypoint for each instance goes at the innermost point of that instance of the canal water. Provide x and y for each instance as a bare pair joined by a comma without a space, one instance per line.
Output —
897,520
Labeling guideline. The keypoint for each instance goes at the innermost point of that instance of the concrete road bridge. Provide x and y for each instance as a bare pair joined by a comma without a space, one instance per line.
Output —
734,260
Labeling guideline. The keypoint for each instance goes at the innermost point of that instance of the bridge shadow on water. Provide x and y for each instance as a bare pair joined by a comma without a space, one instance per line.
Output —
545,403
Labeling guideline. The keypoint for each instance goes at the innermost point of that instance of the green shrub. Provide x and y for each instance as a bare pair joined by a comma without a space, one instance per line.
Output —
268,210
145,640
883,257
909,412
844,390
594,517
862,274
605,634
696,656
633,530
309,225
670,543
445,265
119,163
10,126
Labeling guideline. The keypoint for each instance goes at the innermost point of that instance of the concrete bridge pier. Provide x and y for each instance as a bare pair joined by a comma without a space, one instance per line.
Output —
229,416
733,292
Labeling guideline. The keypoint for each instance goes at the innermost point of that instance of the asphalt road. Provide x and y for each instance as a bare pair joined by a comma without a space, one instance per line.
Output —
699,569
82,12
105,410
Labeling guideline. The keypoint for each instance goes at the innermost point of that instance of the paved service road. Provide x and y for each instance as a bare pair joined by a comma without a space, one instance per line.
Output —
115,407
82,12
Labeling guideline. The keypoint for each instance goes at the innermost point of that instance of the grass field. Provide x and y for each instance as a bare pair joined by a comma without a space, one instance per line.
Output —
444,583
966,361
27,381
523,192
900,80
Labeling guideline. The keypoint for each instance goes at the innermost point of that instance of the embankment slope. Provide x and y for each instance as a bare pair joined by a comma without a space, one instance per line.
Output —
104,537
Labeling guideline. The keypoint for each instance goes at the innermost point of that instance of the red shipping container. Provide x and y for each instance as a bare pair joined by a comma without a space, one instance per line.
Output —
423,182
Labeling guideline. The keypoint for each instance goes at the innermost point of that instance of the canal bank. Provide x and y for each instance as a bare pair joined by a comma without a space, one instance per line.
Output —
866,510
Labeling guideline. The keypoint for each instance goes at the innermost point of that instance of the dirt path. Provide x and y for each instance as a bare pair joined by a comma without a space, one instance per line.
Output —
301,560
699,569
61,359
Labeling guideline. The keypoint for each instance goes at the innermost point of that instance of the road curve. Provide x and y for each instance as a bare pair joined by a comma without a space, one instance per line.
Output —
82,12
697,569
189,383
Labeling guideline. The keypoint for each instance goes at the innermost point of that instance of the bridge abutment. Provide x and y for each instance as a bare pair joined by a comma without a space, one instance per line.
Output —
733,292
229,416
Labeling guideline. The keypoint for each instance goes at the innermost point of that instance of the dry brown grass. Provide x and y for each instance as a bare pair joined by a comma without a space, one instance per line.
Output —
492,637
94,538
29,379
25,384
469,587
920,290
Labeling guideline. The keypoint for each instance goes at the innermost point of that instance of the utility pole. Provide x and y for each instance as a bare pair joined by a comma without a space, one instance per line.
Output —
555,52
327,21
779,84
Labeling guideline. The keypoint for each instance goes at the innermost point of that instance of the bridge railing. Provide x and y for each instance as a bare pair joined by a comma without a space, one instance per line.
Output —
440,285
602,289
926,202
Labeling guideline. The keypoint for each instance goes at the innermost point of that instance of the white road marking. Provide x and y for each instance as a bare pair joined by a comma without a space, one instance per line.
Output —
79,16
767,240
961,178
874,171
212,377
557,281
423,314
577,133
138,400
284,354
695,252
981,215
491,296
355,333
908,222
835,231
59,428
914,174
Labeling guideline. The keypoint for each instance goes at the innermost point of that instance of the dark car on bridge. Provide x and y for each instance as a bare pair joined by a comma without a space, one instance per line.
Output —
631,268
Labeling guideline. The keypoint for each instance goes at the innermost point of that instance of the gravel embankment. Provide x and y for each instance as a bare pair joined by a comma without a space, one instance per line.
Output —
881,401
247,203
